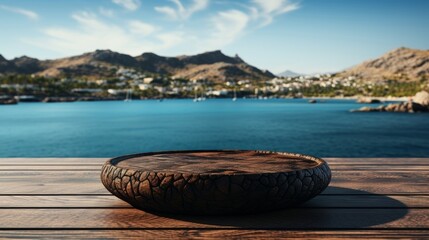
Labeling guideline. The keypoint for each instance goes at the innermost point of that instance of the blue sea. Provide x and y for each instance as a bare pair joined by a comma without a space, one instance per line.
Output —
108,129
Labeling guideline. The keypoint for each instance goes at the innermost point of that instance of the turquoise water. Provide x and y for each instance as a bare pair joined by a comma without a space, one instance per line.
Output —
106,129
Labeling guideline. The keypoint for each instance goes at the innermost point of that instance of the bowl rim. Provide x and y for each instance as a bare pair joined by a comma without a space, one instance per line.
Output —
114,161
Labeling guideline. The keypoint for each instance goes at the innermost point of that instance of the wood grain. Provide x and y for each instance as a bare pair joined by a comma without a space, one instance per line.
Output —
53,201
70,182
218,162
379,161
213,234
67,161
330,160
321,201
333,218
383,198
97,167
32,168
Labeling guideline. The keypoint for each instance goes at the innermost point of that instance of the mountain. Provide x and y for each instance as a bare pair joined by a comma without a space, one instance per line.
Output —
217,66
213,65
100,63
210,58
27,65
158,64
289,73
402,64
6,66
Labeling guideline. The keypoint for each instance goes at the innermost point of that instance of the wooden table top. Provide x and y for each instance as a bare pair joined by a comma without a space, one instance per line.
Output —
64,198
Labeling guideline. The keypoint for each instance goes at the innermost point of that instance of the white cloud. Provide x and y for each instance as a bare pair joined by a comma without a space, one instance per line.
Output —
106,12
93,33
139,27
228,26
170,12
133,36
180,12
27,13
266,10
171,39
131,5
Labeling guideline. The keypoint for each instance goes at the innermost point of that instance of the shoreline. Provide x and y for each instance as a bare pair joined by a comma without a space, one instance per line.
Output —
98,99
382,99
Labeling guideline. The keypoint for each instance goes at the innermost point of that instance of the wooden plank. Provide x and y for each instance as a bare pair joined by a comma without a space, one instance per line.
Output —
332,218
321,201
51,182
50,168
346,182
101,161
68,161
367,201
213,234
365,182
97,167
378,168
379,161
74,201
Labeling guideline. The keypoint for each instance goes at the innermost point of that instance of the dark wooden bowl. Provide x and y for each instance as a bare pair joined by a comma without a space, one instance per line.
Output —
215,182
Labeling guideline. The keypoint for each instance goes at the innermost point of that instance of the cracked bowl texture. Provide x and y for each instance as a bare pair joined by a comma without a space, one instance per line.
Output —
215,182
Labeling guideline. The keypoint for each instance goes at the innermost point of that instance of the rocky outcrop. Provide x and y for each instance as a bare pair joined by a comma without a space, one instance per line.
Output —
93,99
422,98
59,99
406,107
367,100
419,103
8,101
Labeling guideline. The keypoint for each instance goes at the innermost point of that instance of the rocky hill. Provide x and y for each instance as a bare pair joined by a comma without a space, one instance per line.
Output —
27,65
217,66
402,64
6,66
103,63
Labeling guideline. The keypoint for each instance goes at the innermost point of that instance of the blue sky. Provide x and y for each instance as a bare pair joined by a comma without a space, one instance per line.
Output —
301,35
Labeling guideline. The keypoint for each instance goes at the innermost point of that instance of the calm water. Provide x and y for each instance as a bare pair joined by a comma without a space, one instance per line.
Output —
106,129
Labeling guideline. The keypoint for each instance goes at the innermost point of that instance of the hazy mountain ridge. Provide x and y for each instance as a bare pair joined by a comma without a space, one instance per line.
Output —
289,73
104,63
401,63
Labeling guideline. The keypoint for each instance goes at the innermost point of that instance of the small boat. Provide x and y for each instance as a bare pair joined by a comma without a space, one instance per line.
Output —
196,99
203,97
128,98
235,96
199,99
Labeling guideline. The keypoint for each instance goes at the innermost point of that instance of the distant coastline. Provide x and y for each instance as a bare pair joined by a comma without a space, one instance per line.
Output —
10,100
104,75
